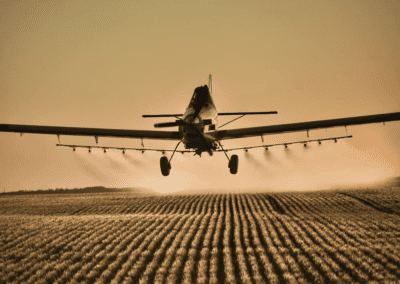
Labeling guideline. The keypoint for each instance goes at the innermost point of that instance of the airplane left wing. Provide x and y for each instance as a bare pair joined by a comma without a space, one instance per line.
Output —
96,132
304,126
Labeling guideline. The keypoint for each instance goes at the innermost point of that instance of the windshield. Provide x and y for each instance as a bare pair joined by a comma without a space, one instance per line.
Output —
200,96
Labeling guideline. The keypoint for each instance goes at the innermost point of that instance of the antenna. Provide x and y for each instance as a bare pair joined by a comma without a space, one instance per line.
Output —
210,83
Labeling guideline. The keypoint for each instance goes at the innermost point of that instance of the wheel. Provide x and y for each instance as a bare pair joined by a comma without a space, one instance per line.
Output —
165,166
233,164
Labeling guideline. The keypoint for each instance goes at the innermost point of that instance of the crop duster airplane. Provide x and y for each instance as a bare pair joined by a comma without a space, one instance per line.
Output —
198,130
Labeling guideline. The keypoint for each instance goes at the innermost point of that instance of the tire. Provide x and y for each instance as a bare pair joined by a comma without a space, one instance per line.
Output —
165,166
233,164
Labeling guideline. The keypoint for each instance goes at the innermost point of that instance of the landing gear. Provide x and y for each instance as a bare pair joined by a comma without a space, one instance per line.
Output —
165,166
233,164
233,161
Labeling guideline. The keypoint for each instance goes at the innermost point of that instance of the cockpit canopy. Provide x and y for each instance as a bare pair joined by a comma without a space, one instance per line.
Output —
200,97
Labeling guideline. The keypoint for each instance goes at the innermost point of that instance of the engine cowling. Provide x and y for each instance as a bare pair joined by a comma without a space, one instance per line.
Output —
187,129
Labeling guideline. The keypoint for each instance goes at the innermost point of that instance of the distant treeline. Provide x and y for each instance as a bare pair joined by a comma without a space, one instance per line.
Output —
93,189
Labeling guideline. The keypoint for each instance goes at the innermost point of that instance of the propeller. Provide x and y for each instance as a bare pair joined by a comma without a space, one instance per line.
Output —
179,122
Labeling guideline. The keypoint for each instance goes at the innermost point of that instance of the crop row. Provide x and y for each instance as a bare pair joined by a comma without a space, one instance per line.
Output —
332,203
221,238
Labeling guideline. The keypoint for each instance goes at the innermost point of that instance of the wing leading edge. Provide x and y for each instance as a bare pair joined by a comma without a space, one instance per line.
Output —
304,126
82,131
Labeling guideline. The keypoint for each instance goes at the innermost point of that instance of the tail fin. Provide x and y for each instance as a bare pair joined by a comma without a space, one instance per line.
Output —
210,83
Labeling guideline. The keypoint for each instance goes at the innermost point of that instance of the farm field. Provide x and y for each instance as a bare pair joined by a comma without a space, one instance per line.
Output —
337,236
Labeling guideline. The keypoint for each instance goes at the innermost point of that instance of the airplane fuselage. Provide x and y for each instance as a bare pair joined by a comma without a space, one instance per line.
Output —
200,118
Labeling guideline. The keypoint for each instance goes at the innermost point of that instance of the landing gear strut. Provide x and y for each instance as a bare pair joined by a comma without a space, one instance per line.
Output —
165,164
233,161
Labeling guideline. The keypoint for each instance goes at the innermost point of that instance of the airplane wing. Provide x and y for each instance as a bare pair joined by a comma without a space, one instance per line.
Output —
96,132
304,126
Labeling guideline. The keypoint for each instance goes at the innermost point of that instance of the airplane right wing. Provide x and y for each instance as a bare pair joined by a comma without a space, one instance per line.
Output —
304,126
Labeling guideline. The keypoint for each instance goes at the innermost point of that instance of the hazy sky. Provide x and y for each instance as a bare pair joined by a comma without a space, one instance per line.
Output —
105,63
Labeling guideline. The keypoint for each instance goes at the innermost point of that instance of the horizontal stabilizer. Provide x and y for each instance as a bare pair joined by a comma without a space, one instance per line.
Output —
220,113
246,113
161,115
166,124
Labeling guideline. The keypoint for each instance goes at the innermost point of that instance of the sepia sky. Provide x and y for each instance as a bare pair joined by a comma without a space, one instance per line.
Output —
105,63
